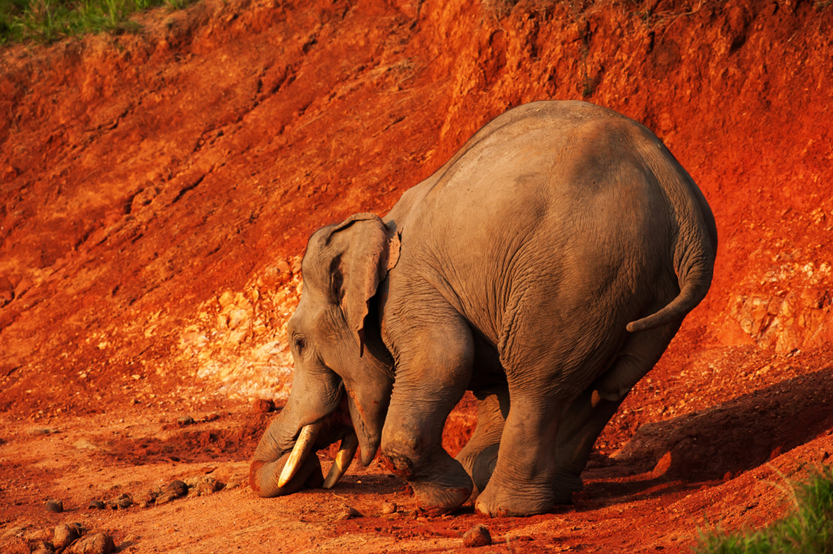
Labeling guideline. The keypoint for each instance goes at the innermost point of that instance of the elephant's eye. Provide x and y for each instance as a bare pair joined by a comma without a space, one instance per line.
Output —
300,344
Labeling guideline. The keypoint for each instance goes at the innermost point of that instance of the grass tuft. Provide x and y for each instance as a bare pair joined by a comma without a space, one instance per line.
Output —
808,530
46,21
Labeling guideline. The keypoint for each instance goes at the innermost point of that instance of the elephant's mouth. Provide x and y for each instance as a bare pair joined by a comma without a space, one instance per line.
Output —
303,447
309,435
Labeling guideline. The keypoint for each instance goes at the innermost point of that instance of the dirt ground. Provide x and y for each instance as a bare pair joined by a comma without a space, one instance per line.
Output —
157,190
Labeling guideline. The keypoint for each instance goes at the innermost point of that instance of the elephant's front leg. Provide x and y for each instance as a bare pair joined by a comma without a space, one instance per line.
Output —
432,373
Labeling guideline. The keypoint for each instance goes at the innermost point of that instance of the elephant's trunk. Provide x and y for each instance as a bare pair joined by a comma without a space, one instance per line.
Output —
270,462
302,448
311,420
277,471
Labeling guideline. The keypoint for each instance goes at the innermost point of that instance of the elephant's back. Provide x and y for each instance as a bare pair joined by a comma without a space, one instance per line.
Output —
551,200
557,168
514,146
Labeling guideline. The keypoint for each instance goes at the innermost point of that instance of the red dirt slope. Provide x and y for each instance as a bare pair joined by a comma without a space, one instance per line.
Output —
157,189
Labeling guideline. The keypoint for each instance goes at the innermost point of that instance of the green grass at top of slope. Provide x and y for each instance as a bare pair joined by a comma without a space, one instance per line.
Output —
46,21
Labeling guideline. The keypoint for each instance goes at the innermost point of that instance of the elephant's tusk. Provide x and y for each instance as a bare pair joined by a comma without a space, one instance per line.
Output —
346,451
299,453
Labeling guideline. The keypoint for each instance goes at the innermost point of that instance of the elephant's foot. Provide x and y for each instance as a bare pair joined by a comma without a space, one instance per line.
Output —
564,485
445,490
497,501
439,481
435,500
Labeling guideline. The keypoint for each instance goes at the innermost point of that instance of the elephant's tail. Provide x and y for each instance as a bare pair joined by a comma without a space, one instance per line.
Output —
693,288
695,249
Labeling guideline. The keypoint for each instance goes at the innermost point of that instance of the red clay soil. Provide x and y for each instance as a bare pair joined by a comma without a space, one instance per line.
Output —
158,188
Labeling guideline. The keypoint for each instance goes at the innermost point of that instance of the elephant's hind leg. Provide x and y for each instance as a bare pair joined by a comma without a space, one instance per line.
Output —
587,416
522,480
592,410
479,456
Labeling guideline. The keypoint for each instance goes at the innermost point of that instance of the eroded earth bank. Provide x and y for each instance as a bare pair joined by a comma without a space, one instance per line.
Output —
158,188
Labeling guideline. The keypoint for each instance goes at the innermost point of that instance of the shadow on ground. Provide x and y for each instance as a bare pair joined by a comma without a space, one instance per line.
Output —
735,436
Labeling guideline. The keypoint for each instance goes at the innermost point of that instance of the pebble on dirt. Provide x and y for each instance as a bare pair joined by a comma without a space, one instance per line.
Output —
163,498
65,534
53,505
349,513
388,508
96,505
177,487
34,535
205,486
262,406
43,548
477,536
172,491
99,543
145,499
121,502
44,431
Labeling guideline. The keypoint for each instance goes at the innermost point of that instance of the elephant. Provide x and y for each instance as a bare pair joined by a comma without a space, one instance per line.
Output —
545,267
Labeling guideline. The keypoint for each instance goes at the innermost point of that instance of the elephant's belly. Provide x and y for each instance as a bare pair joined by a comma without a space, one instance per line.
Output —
487,370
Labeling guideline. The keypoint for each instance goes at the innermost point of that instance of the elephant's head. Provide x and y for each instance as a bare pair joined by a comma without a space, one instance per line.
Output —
343,373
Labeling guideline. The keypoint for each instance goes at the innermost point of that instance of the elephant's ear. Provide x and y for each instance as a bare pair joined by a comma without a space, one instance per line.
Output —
366,250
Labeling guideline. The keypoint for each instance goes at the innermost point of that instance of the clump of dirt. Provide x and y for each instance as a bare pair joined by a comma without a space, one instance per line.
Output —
157,190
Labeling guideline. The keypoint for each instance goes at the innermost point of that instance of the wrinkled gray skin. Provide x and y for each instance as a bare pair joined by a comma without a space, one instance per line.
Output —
545,267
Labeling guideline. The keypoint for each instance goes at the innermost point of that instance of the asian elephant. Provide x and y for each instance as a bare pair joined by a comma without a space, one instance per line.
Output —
545,267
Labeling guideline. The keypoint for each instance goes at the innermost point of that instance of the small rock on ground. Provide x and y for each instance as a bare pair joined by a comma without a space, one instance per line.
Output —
177,487
262,406
165,497
65,534
205,488
53,505
100,543
204,485
43,548
477,536
34,535
172,491
44,431
388,508
96,505
146,498
121,502
349,513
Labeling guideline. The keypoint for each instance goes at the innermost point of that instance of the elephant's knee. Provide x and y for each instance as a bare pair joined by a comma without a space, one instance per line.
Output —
400,455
